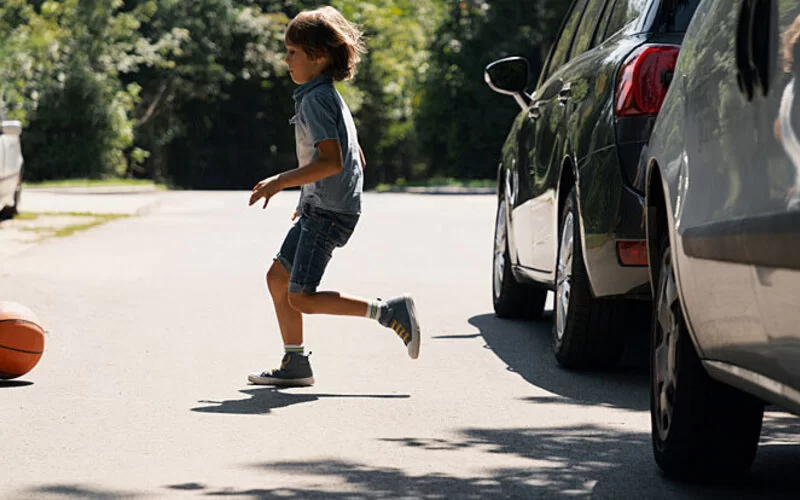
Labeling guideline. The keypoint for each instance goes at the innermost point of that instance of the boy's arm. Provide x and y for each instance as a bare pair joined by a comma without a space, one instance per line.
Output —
363,160
328,163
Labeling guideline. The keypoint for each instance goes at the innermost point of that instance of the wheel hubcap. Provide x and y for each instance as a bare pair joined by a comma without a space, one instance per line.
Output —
499,248
564,274
667,336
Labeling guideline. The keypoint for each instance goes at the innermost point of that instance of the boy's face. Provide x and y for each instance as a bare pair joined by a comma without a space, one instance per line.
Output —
302,67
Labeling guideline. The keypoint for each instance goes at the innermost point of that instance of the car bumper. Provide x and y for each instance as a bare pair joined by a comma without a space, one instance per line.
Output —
610,212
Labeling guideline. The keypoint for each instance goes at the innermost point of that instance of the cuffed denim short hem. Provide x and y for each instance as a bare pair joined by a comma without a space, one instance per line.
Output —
294,287
309,245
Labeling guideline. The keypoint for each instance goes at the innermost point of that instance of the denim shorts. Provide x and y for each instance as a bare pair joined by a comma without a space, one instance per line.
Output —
308,246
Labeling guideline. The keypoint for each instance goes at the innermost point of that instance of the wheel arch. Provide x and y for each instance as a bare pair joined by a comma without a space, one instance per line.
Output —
567,180
656,222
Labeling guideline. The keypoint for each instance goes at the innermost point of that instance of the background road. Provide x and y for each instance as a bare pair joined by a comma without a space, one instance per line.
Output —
155,320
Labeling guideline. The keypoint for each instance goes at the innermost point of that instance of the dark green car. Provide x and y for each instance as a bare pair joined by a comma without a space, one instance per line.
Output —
569,216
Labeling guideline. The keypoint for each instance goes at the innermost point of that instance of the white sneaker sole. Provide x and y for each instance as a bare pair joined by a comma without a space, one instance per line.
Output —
413,346
295,382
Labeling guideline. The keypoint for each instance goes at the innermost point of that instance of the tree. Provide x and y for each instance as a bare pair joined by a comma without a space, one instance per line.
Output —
462,124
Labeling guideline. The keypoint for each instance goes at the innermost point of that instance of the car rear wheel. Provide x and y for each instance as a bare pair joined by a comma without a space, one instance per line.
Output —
587,332
11,211
511,298
701,428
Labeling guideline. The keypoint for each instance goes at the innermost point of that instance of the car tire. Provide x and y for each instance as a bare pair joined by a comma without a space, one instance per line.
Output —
11,211
701,428
587,332
511,299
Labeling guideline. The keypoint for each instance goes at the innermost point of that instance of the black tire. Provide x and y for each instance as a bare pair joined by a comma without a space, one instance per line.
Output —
10,212
587,332
511,299
701,428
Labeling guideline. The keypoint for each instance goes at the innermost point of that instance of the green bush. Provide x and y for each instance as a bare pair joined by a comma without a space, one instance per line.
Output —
71,133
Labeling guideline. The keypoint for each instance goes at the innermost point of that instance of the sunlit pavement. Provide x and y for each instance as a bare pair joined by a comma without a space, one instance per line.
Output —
155,320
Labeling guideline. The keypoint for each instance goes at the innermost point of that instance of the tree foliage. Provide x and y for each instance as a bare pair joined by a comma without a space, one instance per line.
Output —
462,124
196,93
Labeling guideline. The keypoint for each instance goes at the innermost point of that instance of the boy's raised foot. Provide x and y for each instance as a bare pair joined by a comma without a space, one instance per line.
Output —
401,316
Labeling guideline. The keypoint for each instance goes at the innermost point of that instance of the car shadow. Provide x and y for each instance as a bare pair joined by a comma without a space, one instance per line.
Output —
264,400
525,348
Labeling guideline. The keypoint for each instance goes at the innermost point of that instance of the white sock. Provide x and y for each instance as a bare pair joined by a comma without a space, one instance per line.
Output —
374,309
294,349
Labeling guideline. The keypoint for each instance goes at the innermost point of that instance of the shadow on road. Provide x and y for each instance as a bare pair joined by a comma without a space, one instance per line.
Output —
577,461
14,383
264,400
78,491
525,348
569,461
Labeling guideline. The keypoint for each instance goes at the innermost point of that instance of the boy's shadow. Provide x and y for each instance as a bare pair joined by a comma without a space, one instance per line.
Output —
264,400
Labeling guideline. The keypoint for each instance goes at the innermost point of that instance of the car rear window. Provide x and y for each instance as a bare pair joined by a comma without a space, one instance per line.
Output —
624,13
674,15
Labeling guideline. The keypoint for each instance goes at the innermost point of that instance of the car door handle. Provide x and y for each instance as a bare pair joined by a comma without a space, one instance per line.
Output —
534,112
564,94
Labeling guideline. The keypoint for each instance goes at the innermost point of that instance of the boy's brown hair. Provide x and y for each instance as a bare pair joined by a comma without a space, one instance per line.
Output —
326,31
791,47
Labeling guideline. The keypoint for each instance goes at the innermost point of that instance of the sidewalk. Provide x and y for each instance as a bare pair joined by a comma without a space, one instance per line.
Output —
54,210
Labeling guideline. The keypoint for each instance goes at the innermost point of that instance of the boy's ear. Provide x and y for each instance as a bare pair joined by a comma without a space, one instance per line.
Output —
323,60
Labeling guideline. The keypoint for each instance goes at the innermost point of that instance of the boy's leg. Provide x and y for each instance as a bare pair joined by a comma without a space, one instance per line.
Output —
398,313
295,369
328,303
321,234
290,321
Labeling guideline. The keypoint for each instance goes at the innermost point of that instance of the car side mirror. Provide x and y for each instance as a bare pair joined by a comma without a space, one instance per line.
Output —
12,127
509,76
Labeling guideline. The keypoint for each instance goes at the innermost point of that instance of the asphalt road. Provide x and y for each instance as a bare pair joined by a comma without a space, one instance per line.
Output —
155,320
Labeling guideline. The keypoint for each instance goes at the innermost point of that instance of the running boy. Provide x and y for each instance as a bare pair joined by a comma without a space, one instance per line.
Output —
322,46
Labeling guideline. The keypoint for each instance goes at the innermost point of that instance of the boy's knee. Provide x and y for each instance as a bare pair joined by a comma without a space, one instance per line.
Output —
277,280
302,302
277,275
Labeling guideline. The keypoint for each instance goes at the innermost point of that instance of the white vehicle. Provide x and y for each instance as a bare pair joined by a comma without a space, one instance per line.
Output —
10,167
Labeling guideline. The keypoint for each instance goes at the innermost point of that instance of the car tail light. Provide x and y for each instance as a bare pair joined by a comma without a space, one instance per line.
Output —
643,80
632,253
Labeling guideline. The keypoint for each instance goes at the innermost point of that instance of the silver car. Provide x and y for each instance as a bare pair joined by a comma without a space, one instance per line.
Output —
722,181
10,167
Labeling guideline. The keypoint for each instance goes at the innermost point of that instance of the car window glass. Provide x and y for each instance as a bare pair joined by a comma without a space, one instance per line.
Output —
674,15
625,11
599,35
561,49
583,38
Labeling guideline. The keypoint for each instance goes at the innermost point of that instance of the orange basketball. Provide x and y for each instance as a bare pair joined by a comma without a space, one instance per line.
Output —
21,340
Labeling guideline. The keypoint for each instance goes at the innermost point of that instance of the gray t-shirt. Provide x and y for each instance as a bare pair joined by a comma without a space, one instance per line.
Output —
322,114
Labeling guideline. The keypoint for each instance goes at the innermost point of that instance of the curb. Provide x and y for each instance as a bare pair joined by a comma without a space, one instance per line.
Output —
443,190
99,190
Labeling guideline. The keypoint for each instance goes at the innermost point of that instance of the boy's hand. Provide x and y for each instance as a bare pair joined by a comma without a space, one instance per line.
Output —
295,215
265,189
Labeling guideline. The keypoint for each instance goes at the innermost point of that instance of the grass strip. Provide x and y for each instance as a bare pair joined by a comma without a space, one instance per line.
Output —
70,229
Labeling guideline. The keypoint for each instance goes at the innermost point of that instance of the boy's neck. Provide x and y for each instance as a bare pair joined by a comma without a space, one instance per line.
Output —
317,80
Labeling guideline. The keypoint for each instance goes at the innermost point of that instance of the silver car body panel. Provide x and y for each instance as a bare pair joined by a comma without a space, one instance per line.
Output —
729,162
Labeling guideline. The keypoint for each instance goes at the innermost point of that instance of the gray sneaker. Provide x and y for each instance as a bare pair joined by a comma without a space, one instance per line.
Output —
295,371
400,315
